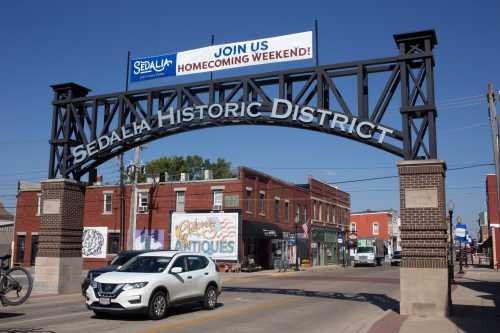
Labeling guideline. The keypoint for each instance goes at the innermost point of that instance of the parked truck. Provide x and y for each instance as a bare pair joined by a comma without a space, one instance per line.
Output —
370,251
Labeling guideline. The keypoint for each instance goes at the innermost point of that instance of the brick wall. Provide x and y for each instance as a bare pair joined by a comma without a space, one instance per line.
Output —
364,224
492,199
423,230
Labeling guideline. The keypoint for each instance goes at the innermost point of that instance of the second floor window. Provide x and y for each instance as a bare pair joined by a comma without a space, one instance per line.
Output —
353,227
297,214
262,202
277,210
180,197
39,204
248,201
375,228
108,203
218,198
287,211
142,202
305,214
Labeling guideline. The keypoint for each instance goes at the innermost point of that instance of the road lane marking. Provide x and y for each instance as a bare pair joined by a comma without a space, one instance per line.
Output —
24,321
219,316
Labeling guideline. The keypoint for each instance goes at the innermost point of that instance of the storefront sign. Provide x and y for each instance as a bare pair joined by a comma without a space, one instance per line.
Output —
280,110
213,234
269,232
231,201
224,56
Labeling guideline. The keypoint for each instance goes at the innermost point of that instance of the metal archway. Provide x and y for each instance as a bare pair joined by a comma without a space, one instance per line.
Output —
89,130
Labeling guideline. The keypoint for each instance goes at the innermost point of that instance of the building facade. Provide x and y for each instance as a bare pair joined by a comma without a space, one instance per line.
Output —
270,213
6,230
378,224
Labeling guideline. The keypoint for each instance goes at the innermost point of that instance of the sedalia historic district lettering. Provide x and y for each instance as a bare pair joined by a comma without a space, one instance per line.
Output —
282,109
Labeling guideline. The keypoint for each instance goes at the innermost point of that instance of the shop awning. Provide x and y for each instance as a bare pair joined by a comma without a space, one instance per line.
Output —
260,230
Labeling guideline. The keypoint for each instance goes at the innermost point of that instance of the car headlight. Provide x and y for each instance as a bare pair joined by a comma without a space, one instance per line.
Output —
93,284
137,285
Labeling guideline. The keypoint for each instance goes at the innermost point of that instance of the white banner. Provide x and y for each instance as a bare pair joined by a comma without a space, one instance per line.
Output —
213,234
94,242
254,52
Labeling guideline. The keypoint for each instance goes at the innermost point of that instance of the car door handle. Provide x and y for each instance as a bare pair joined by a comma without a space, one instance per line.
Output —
190,277
206,273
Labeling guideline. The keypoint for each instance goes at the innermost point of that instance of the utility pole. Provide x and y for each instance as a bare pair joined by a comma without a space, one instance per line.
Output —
133,198
122,174
494,134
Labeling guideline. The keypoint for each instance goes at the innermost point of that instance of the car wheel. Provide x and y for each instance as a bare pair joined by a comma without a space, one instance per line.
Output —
210,299
158,304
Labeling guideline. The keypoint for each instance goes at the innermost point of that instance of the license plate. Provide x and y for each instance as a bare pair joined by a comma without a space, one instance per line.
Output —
104,301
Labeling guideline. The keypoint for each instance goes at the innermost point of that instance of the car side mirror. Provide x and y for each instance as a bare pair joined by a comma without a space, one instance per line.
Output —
176,270
119,267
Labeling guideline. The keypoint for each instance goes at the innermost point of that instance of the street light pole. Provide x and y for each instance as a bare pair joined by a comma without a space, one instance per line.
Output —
296,244
461,271
451,207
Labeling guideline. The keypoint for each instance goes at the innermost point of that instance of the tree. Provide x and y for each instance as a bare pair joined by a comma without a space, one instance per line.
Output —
192,165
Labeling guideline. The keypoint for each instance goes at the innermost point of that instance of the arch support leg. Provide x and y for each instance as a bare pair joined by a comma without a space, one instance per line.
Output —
424,267
58,265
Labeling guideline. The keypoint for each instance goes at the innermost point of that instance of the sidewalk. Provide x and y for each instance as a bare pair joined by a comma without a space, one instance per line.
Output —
476,308
227,276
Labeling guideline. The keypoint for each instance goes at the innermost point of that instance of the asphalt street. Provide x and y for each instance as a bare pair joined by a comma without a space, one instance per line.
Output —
334,300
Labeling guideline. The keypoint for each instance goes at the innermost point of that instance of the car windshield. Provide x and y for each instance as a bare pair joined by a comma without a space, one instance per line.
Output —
121,259
146,264
365,249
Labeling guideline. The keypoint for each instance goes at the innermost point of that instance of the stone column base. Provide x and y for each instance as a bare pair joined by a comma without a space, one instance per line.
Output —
424,292
58,275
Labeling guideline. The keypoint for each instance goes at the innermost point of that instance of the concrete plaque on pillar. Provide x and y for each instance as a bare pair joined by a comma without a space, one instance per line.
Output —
424,266
58,265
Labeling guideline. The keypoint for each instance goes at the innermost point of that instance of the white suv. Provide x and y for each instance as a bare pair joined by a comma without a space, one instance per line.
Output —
151,282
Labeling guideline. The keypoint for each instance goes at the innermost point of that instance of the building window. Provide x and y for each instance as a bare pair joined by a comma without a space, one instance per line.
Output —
328,213
142,202
113,242
39,204
180,201
262,204
108,202
375,228
277,210
353,227
218,196
305,214
21,247
315,211
297,214
287,211
34,249
248,200
320,212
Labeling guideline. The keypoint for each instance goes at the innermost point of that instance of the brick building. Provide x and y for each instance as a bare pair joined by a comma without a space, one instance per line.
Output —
270,211
492,201
378,224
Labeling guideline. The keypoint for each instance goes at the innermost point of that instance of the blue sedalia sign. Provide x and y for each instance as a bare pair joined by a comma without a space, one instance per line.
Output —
153,67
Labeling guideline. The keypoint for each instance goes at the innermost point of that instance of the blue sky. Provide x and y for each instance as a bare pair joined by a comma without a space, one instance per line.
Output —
46,43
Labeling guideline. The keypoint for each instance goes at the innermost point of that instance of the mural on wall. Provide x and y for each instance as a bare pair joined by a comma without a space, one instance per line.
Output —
155,238
214,234
94,242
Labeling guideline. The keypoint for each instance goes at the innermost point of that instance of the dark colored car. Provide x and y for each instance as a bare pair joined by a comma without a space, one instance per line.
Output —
120,259
396,258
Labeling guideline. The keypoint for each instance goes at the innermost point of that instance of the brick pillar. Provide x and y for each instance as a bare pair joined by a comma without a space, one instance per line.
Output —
58,265
424,267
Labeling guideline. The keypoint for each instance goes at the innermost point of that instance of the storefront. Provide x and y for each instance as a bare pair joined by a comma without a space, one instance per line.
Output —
263,242
324,247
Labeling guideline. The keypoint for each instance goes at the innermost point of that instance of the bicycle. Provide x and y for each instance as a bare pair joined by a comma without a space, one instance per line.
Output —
16,283
283,265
